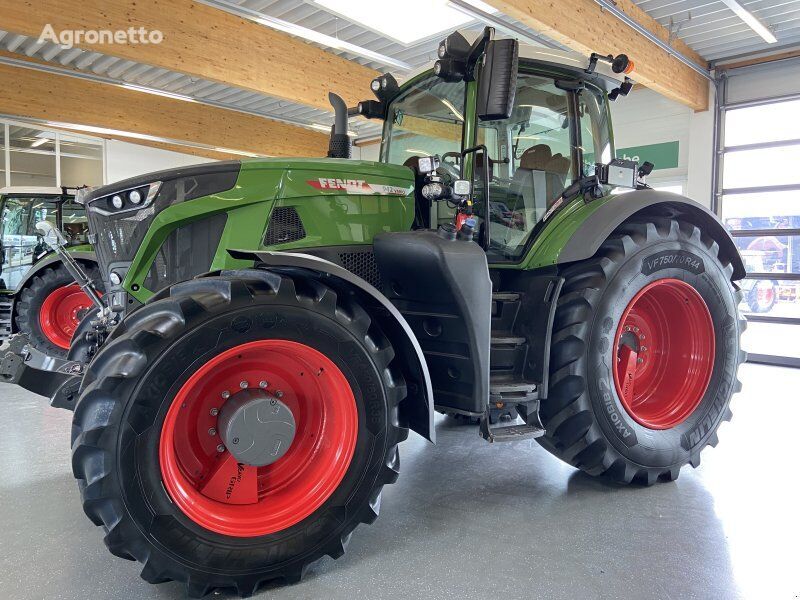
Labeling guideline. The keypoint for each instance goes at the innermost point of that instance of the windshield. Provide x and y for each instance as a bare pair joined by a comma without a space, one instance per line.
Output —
424,120
553,137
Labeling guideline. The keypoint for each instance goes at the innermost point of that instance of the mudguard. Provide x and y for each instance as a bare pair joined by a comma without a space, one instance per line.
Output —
79,255
417,409
610,214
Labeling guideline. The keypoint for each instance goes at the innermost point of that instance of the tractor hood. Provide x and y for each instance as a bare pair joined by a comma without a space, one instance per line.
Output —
285,177
325,176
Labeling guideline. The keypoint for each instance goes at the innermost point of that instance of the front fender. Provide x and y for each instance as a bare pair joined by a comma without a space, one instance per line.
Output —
417,409
51,259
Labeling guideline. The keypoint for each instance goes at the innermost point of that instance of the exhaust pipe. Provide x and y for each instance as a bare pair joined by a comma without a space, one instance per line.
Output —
340,145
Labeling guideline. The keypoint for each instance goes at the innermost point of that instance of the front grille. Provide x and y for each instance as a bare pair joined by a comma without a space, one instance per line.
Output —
117,237
118,234
285,226
186,253
363,264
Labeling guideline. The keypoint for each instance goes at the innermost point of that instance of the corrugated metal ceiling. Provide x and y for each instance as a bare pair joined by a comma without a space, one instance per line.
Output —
305,14
708,26
716,32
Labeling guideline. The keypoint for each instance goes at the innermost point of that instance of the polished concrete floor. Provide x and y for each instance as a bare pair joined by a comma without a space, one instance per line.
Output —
470,520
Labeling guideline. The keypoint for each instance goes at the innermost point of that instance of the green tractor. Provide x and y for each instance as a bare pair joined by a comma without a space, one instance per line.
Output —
38,295
283,324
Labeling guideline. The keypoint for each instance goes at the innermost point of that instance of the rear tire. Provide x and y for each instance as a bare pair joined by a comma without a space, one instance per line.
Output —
587,422
138,381
51,306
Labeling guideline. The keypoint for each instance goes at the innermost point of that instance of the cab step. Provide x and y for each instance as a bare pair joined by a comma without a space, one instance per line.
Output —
513,392
509,433
6,302
505,308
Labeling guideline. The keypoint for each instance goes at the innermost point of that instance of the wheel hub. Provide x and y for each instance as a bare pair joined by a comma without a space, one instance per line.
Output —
256,427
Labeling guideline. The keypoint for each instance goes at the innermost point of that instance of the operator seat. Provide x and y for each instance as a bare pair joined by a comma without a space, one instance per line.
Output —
530,187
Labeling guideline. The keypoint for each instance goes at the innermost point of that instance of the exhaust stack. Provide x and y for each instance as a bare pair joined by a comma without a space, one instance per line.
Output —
340,145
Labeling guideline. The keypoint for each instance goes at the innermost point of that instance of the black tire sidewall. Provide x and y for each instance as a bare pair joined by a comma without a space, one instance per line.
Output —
148,402
33,297
695,265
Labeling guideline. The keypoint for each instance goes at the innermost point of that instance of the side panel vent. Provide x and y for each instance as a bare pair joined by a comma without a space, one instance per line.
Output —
363,264
284,226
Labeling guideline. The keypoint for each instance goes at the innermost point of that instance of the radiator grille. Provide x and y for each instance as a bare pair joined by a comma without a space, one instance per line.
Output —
285,226
118,236
363,264
186,253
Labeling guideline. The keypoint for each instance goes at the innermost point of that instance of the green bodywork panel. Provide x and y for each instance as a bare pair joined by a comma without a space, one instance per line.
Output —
340,202
551,239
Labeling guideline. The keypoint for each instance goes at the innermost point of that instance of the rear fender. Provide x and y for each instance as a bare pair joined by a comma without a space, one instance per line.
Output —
615,210
416,411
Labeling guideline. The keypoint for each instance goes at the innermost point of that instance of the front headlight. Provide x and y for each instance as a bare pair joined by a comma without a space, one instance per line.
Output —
124,201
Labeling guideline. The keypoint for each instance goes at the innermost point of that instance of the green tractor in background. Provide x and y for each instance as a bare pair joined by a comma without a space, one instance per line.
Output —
38,295
236,426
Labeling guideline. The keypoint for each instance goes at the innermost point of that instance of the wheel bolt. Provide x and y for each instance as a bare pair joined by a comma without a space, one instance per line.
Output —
235,440
279,394
226,394
243,385
220,448
263,384
214,412
640,360
212,431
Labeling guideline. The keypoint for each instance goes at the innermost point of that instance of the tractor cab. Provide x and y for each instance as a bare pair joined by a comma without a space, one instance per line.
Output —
21,245
522,135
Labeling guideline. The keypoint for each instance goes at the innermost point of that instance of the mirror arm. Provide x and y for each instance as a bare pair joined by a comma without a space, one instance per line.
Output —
476,51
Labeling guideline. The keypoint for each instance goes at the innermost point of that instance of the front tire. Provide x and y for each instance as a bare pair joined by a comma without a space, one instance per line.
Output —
148,434
639,405
51,307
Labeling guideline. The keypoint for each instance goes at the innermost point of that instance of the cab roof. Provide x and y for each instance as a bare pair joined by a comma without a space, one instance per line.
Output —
574,61
31,191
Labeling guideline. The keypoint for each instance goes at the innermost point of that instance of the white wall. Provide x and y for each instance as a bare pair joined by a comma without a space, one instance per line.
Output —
125,160
645,117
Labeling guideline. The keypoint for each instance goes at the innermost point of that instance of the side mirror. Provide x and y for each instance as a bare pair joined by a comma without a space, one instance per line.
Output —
498,80
51,235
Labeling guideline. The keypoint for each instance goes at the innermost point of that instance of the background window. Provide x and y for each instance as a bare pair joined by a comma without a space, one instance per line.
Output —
33,156
761,210
81,161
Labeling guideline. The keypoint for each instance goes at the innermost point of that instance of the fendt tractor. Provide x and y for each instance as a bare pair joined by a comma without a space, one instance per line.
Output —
37,294
272,329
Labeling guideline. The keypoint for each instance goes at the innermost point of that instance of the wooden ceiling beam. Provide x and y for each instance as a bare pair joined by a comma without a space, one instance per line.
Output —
28,93
585,27
203,42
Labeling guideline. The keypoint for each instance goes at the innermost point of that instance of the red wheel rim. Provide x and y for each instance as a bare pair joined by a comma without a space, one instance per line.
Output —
665,347
242,500
765,294
61,313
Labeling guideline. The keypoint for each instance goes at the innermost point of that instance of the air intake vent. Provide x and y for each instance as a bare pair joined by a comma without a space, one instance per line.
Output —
363,264
284,226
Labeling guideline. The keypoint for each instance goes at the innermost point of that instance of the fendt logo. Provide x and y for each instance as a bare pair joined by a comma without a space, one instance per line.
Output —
358,186
326,183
